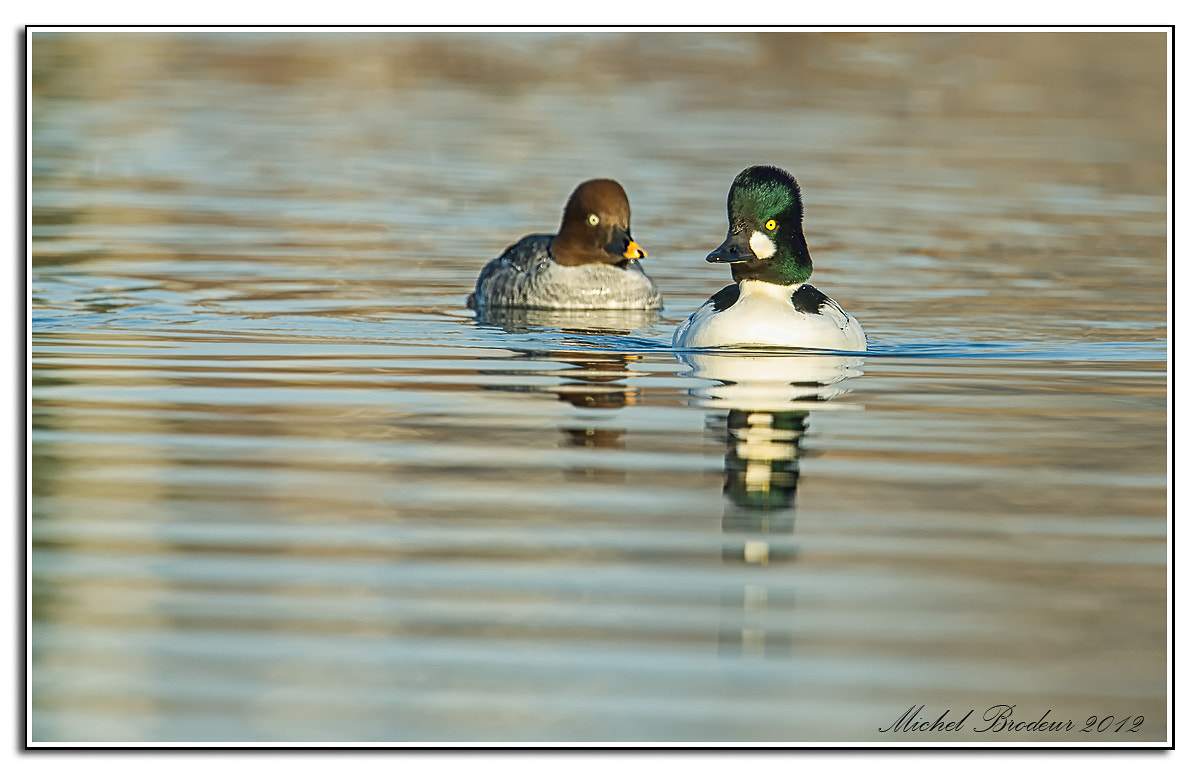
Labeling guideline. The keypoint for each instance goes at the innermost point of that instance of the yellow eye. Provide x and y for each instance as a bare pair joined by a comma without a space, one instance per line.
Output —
593,219
770,225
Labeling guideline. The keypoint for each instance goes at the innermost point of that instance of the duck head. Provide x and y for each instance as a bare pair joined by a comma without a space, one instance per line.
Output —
765,240
595,227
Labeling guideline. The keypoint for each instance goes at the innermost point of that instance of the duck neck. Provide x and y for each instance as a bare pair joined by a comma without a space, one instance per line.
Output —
787,267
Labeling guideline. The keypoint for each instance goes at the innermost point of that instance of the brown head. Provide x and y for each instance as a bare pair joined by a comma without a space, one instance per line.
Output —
595,227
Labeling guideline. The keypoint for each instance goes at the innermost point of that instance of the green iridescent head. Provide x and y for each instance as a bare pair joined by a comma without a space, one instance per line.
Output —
765,240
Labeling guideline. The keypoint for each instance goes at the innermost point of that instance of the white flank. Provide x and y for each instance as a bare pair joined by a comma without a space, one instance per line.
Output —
764,315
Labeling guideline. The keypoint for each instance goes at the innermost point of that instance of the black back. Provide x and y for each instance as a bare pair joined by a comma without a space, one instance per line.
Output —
725,298
808,299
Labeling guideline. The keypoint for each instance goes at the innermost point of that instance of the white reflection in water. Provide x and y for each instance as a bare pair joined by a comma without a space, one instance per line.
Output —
768,395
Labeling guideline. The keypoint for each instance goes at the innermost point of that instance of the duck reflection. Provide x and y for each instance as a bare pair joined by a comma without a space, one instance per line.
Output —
762,474
769,399
593,379
588,379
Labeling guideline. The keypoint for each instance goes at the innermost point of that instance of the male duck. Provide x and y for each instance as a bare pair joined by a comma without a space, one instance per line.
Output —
769,304
589,264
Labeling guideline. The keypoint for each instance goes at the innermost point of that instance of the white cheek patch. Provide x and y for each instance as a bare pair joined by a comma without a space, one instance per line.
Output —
762,245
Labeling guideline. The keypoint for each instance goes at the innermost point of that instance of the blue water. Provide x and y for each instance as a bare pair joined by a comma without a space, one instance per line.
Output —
286,488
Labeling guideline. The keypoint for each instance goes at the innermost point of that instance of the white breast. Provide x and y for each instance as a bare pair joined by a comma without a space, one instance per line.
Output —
764,315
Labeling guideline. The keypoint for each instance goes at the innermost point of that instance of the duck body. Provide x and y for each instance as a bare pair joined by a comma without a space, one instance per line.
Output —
754,313
769,304
591,263
527,276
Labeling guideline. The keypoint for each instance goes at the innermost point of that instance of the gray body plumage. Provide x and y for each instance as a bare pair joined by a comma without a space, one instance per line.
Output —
526,276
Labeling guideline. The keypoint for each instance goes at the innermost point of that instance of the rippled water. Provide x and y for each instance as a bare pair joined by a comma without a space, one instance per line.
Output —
286,487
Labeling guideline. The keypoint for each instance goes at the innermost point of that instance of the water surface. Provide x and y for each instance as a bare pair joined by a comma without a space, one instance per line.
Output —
287,488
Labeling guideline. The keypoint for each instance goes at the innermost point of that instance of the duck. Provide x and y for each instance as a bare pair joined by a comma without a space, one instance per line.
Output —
591,263
769,302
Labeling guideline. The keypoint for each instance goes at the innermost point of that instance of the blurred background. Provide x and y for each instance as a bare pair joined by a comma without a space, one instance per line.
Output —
286,487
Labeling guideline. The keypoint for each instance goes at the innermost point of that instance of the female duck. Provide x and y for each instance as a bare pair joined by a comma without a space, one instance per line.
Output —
769,302
589,264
